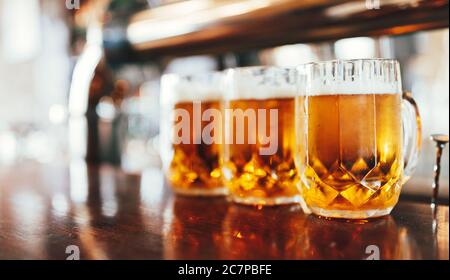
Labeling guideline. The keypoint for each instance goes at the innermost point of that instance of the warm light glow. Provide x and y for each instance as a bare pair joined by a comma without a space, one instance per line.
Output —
161,26
346,9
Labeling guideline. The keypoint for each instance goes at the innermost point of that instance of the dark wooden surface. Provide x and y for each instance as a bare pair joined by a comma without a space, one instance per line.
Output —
110,215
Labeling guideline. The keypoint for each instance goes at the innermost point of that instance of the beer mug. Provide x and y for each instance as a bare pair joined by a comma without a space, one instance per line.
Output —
191,133
358,140
259,149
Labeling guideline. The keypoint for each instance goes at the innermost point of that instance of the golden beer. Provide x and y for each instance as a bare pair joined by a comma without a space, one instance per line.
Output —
351,137
260,143
354,152
195,167
256,178
190,135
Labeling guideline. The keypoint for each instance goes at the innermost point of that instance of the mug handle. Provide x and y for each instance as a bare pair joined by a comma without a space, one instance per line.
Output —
412,135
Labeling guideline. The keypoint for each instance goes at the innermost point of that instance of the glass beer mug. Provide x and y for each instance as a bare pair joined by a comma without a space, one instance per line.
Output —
358,137
259,128
191,133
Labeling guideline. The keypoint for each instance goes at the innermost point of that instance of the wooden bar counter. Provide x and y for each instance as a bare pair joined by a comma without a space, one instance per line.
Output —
111,215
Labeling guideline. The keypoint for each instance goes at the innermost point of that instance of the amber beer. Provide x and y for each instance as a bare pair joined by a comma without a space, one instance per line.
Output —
253,176
195,167
352,162
354,151
192,166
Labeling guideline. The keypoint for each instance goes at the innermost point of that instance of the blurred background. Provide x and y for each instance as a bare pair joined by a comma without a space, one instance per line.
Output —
79,80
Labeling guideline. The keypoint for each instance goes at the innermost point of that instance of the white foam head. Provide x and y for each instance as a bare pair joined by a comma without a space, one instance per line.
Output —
202,87
260,83
367,76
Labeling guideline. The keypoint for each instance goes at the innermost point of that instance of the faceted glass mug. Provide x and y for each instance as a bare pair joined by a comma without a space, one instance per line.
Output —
191,133
259,125
358,137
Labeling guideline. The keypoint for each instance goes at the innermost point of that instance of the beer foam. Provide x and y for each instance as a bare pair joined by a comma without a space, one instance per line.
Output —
321,87
176,88
261,93
365,76
261,83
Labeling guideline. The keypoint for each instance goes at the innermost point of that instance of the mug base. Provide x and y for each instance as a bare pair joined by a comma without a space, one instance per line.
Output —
258,201
351,214
201,192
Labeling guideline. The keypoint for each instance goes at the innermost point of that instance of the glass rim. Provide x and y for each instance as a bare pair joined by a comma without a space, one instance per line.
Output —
259,67
340,61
